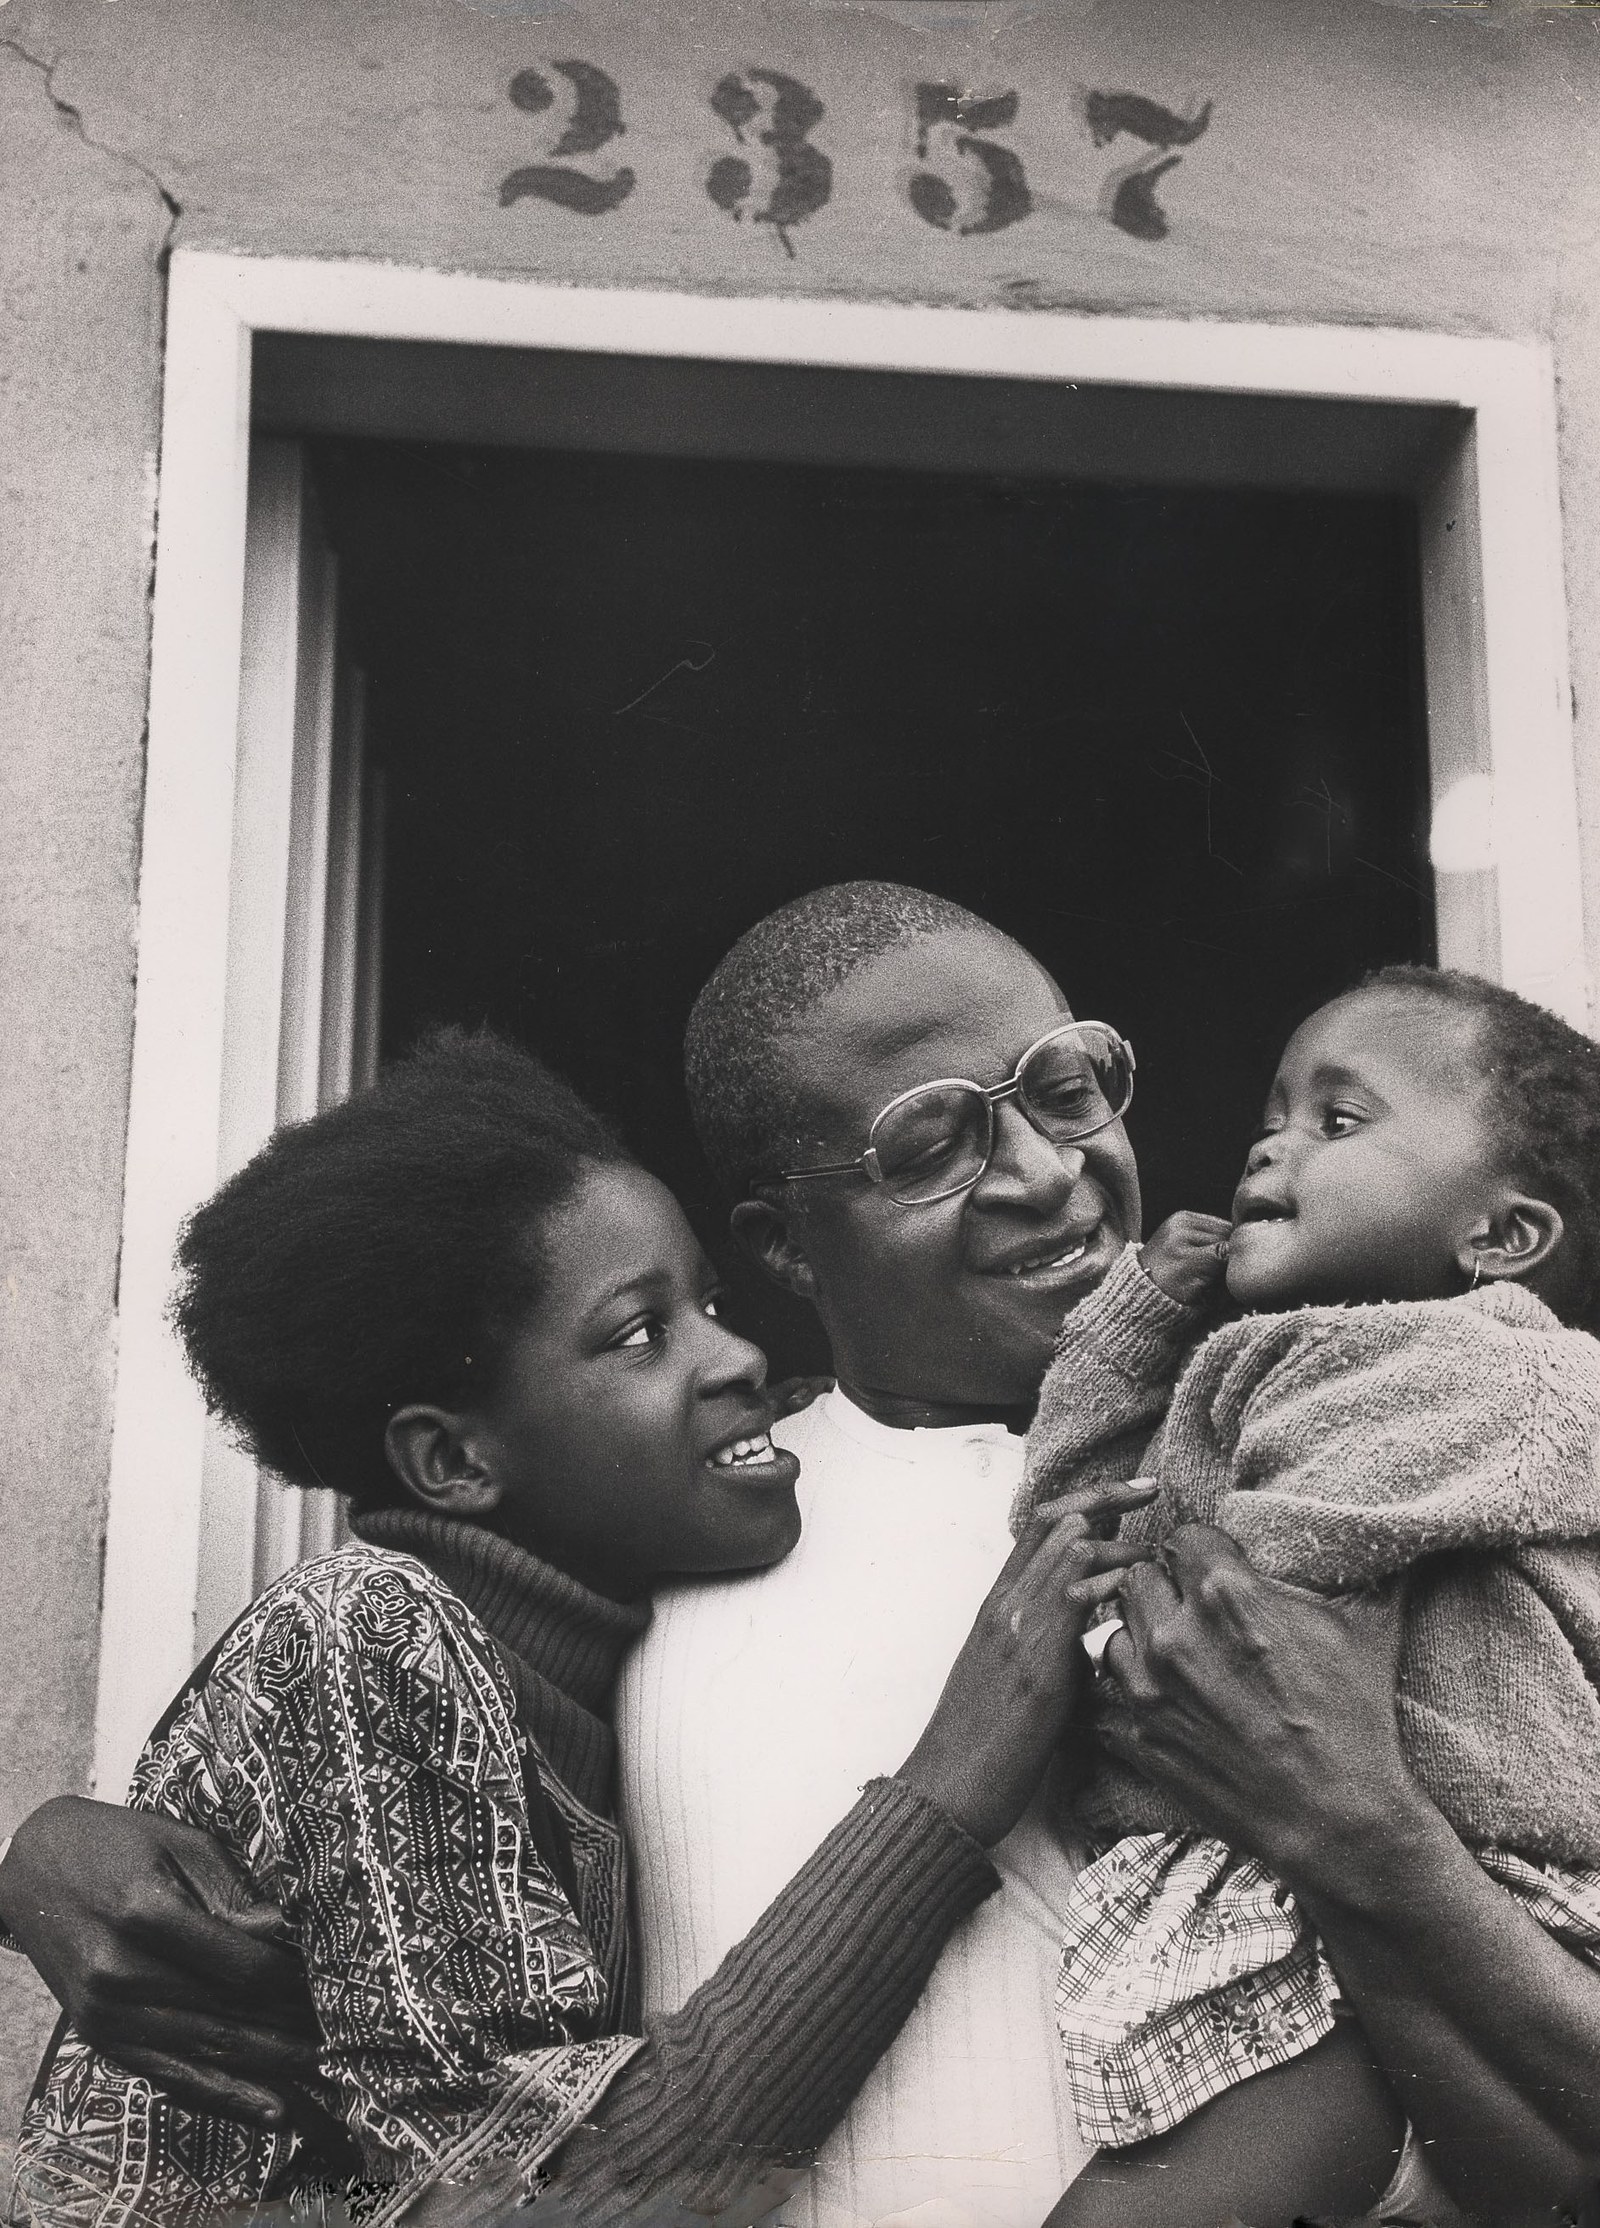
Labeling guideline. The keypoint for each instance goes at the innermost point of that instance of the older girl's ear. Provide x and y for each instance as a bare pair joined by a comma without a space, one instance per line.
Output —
768,1235
431,1452
1520,1237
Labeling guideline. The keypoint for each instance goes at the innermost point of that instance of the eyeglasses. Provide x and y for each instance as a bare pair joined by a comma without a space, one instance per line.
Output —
937,1140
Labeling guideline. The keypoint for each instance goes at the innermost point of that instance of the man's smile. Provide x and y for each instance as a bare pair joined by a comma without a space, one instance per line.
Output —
1055,1262
1060,1260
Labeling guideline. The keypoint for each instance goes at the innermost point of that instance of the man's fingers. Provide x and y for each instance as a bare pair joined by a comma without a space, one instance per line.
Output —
1066,1552
1118,1659
1098,1507
1062,1561
1148,1595
1148,1598
1097,1586
1198,1552
258,2055
231,1963
1090,1558
208,2089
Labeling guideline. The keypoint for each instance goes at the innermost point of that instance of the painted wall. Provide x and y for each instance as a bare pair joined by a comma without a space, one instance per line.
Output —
1351,161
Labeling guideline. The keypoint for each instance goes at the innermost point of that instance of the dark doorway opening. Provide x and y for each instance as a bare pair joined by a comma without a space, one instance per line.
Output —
1173,741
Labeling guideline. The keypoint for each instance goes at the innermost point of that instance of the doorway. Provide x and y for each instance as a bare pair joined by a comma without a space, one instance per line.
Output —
1175,742
1461,431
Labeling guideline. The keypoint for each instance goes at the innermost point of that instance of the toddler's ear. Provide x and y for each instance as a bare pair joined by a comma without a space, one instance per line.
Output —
1518,1238
767,1234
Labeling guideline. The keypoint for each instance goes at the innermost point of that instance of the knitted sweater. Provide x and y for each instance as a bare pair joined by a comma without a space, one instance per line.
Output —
407,1746
1453,1440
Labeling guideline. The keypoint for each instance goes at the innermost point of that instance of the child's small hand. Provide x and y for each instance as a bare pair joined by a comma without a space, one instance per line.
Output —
794,1393
1188,1257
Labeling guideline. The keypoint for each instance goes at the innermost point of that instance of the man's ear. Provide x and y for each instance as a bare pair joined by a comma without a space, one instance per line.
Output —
1518,1238
430,1451
767,1234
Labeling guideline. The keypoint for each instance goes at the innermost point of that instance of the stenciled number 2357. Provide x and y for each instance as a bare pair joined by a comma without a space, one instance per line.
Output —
968,180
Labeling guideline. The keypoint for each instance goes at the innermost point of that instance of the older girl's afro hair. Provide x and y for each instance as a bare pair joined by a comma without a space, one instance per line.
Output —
380,1253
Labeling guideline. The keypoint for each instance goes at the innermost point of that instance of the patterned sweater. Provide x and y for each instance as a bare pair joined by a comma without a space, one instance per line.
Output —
1454,1440
407,1746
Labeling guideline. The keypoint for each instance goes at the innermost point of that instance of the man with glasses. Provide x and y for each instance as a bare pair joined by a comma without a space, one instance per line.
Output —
923,1143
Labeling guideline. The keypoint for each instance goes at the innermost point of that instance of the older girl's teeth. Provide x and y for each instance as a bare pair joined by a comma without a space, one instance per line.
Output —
743,1451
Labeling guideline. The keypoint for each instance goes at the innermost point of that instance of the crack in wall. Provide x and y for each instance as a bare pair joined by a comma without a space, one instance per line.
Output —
74,117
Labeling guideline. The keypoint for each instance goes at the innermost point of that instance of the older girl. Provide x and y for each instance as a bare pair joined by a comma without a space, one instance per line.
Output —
458,1301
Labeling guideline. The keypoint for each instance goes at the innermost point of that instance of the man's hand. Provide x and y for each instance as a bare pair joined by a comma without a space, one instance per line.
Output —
1269,1715
1188,1257
1267,1712
163,1955
1015,1684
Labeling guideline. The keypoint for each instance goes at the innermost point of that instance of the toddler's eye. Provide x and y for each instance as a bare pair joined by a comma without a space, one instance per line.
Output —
649,1331
713,1307
1339,1121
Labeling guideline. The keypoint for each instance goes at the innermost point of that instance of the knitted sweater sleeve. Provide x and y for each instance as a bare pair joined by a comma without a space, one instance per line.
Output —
766,2055
1359,1440
1116,1359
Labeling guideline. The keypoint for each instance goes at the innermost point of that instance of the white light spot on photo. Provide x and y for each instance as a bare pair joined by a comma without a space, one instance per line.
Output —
1461,840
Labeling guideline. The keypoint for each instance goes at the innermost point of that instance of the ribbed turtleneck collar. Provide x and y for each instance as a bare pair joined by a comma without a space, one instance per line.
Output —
567,1638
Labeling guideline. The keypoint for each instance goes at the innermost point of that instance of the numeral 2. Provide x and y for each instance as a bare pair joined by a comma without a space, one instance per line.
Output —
594,117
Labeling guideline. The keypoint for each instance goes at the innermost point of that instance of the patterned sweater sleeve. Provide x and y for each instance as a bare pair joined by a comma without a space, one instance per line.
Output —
1117,1358
356,1744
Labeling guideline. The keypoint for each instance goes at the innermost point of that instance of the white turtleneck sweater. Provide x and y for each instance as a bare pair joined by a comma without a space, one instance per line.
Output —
749,1718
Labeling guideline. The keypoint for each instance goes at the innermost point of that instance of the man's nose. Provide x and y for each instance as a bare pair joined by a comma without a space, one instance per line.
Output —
1025,1167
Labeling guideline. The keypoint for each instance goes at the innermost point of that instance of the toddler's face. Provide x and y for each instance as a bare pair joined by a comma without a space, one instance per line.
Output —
1373,1165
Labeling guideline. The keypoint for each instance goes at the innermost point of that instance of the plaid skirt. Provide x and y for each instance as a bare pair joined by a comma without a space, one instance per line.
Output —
1186,1968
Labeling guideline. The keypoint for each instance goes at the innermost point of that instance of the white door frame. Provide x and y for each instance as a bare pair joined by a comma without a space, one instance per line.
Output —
1499,717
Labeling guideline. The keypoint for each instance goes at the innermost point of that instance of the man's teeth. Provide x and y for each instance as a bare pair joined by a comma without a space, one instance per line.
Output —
744,1452
1051,1260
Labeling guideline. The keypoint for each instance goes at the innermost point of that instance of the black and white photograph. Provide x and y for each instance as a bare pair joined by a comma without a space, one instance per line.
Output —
800,1128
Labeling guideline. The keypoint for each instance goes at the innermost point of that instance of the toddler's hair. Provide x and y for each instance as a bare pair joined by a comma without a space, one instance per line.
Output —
380,1253
1544,1104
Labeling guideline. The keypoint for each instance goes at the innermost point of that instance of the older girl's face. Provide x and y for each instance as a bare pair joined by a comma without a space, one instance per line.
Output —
628,1432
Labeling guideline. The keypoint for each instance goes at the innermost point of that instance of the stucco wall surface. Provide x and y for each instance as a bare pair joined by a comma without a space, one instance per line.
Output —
1360,161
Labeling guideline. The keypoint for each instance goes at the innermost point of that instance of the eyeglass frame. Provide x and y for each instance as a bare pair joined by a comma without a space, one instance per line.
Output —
992,1095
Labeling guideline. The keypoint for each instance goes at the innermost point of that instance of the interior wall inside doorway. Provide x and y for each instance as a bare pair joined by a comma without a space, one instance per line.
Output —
1174,742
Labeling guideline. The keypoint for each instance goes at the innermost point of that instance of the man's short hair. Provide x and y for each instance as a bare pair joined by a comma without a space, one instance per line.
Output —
743,1091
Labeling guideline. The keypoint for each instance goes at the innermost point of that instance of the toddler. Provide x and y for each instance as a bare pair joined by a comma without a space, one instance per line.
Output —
1412,1398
